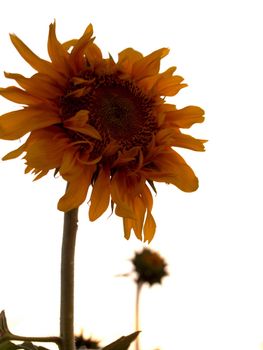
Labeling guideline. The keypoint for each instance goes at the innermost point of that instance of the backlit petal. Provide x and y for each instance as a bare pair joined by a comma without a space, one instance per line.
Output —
100,196
14,125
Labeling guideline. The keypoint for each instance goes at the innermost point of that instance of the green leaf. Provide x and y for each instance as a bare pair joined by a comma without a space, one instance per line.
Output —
29,346
122,343
7,345
3,325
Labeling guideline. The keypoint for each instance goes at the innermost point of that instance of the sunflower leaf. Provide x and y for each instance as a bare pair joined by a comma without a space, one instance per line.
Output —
122,343
3,325
8,345
29,346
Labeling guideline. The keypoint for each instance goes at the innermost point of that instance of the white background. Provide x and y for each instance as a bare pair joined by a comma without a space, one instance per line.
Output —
212,239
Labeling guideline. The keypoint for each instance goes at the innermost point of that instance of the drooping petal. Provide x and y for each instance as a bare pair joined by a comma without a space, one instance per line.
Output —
78,178
45,148
14,125
139,210
149,228
127,227
100,196
171,168
76,193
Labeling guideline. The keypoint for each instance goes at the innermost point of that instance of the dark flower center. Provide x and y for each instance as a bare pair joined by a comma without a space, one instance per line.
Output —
117,109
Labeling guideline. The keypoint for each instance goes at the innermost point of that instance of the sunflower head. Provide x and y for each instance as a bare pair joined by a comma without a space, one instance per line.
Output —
149,267
102,124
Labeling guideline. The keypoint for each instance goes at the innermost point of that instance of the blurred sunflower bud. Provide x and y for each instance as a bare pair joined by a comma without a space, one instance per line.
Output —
149,267
86,343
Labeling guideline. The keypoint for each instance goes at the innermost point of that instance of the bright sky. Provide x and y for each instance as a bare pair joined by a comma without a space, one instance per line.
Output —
212,239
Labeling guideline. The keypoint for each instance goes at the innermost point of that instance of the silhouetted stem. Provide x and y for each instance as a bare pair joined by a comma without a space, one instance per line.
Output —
67,280
137,313
12,336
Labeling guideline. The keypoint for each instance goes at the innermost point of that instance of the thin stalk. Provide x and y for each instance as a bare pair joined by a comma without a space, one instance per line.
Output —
137,313
50,339
67,280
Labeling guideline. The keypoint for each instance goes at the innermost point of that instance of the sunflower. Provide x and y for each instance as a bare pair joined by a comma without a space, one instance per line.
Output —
149,266
102,124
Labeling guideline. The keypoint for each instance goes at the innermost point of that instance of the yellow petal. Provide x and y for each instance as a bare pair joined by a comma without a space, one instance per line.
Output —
100,196
14,125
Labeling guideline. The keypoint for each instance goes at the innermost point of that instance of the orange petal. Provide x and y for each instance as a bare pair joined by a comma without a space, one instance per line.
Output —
58,54
14,125
127,227
78,185
150,64
169,86
93,54
76,55
173,137
127,58
45,148
100,196
149,228
139,210
14,154
17,95
78,123
39,85
36,62
185,117
169,167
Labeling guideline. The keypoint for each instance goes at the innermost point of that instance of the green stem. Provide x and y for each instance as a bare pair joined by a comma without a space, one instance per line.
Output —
67,280
137,313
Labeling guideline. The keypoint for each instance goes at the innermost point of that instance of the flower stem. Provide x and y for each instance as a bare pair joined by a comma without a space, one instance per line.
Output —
67,280
137,313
